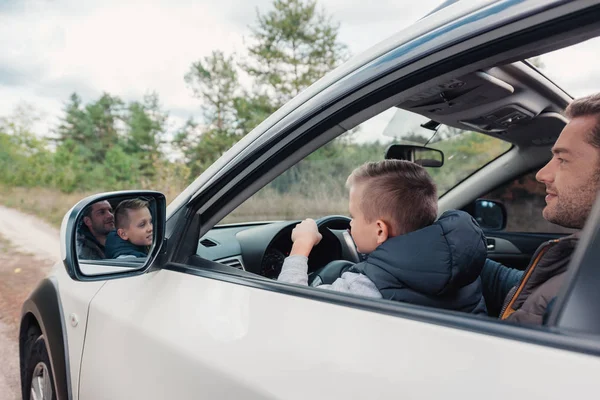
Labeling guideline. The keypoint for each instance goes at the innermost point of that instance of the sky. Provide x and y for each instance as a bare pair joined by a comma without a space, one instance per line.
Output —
52,48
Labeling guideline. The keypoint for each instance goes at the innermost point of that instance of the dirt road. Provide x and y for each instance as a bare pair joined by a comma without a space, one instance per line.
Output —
28,248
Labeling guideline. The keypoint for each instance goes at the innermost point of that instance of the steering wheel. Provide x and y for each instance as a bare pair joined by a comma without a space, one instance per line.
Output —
333,270
342,223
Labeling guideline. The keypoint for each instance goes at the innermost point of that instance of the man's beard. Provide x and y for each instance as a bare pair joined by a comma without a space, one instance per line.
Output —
573,211
102,229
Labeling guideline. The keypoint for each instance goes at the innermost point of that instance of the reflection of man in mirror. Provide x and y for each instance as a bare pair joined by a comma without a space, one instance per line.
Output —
98,221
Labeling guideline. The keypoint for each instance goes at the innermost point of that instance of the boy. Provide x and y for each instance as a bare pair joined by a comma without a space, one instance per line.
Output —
411,257
133,235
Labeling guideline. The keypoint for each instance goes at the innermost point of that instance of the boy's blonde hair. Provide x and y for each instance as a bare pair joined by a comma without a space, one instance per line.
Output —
121,214
401,193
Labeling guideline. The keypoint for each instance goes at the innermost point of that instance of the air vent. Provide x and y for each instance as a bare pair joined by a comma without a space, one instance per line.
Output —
233,262
207,243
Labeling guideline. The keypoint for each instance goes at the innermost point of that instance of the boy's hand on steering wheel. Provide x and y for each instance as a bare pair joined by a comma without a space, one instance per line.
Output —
305,236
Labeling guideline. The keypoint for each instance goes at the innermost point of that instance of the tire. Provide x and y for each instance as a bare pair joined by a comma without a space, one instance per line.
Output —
39,380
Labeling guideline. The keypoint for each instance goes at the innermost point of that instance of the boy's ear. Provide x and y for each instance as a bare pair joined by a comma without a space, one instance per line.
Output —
87,221
122,233
383,231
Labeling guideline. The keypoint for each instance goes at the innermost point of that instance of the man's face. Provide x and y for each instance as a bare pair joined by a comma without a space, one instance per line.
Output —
572,177
101,220
139,231
364,233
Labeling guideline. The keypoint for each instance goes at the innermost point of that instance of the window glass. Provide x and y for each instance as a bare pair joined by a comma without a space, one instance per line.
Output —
316,186
524,201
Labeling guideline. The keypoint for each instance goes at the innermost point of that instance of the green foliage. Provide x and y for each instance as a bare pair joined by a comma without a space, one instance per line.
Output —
214,81
146,125
293,45
110,144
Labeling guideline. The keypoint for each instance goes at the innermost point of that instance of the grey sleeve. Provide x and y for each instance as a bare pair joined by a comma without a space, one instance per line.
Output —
295,270
354,283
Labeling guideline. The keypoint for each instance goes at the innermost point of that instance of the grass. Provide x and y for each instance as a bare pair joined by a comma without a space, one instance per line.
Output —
269,205
51,205
48,204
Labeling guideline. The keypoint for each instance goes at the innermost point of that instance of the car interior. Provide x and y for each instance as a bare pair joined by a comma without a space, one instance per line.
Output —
514,103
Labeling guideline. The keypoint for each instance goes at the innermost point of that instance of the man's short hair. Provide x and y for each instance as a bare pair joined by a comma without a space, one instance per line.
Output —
87,212
122,214
584,107
401,193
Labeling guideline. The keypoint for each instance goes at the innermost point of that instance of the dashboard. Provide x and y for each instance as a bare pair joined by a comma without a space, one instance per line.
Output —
261,248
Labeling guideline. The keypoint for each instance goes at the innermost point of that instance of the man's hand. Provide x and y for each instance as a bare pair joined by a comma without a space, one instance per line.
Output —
305,236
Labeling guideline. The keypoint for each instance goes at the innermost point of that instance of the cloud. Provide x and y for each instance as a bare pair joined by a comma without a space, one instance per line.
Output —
52,48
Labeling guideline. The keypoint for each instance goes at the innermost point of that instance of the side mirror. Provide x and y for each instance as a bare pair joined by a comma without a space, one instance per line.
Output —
113,235
424,156
490,214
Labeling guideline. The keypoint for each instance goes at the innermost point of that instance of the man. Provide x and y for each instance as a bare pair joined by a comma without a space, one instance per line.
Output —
98,221
572,179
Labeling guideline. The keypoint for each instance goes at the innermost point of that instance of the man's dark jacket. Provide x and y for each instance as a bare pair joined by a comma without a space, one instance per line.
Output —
437,266
117,247
524,296
88,248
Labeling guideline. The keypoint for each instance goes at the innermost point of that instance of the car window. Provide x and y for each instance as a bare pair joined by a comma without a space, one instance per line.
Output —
524,201
315,186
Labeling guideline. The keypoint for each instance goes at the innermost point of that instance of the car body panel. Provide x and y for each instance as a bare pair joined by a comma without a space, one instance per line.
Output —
69,323
168,334
217,339
42,313
75,298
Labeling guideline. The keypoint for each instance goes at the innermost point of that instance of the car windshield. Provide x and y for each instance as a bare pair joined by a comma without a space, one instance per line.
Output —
464,151
576,78
316,186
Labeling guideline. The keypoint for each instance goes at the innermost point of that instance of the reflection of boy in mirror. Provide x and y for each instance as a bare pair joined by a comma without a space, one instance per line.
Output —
133,235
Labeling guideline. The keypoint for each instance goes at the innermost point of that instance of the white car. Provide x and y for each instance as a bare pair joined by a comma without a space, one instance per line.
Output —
202,316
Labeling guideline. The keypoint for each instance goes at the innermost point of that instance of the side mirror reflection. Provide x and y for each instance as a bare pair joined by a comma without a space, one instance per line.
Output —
114,233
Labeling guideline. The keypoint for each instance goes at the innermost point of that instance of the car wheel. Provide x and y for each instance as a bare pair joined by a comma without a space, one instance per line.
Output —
39,383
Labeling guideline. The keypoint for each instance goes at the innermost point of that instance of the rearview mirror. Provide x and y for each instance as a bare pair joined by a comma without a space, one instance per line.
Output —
424,156
113,235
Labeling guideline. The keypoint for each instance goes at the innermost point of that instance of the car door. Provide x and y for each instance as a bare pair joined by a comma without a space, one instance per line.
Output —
191,331
176,334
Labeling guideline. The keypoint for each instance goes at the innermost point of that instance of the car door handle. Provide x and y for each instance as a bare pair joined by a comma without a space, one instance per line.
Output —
491,244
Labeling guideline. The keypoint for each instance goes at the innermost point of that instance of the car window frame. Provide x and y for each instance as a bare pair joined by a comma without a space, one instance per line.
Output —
283,145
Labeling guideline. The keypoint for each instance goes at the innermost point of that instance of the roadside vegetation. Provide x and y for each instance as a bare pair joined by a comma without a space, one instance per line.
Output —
108,143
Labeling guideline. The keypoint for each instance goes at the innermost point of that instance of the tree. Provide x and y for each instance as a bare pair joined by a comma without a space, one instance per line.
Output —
293,46
25,159
93,127
251,110
214,81
145,132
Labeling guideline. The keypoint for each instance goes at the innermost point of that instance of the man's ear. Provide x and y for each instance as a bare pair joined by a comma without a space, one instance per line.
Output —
122,233
87,221
383,231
